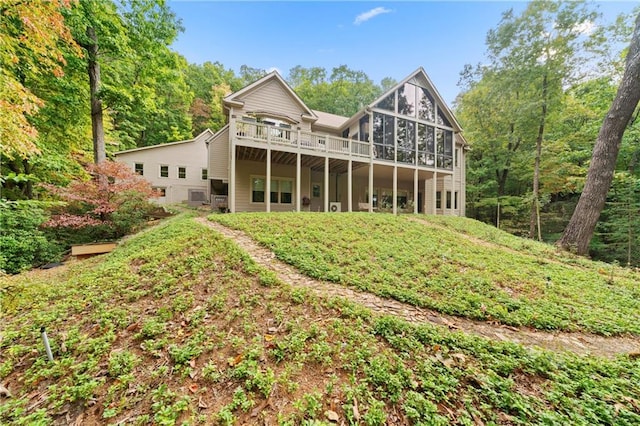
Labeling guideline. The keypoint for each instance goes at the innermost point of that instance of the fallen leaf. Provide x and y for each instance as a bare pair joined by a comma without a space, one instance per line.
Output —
202,404
356,413
193,387
4,392
192,363
235,361
269,337
332,416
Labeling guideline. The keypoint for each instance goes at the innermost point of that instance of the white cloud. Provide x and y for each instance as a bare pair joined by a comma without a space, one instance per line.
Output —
365,16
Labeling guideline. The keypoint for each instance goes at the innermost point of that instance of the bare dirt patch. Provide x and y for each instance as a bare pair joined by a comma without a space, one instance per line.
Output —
579,343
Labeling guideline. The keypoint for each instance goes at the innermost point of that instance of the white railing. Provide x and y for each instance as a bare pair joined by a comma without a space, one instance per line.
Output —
275,135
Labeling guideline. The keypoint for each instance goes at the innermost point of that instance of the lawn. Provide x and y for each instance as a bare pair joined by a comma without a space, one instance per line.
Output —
453,265
179,326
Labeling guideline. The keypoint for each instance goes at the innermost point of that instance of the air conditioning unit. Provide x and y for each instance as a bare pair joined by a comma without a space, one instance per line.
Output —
335,207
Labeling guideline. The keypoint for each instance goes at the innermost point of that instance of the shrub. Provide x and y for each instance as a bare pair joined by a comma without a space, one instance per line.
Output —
111,204
22,244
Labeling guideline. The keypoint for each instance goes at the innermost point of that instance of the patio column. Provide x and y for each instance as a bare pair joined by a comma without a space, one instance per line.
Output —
435,190
231,204
415,191
395,190
267,190
298,196
370,187
349,187
326,184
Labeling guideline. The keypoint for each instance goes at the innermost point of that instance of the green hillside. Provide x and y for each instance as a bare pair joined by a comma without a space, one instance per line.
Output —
454,265
180,326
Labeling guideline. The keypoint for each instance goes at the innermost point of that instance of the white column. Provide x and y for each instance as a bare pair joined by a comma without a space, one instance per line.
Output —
415,191
267,191
435,189
298,184
349,187
231,201
370,187
326,184
395,189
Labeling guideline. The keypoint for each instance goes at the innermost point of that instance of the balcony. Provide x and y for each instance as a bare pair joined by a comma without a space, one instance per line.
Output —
305,141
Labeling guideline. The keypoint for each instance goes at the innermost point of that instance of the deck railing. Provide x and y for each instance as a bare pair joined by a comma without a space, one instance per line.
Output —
311,141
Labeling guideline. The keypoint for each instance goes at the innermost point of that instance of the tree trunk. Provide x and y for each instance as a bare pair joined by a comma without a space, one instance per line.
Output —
535,206
579,231
93,67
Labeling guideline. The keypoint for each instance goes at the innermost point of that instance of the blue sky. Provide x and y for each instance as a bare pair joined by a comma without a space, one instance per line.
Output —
383,39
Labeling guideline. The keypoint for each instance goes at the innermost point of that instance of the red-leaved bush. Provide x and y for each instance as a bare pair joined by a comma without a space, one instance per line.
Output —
114,197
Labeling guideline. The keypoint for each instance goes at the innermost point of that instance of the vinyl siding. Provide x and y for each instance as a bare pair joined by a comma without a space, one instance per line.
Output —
219,155
272,97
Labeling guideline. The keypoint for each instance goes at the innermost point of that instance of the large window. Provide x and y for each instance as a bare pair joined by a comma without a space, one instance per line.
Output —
406,141
444,148
407,100
426,153
383,136
426,105
281,191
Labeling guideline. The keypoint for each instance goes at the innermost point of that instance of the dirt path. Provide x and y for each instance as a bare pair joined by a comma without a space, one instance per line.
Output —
581,343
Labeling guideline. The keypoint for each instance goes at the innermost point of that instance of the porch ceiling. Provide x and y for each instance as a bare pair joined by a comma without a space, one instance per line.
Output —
288,158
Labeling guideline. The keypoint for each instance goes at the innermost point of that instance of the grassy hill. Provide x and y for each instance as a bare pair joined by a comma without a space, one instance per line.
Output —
178,325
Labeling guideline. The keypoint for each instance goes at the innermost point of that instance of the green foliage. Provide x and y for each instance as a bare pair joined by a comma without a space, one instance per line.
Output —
22,244
516,281
103,316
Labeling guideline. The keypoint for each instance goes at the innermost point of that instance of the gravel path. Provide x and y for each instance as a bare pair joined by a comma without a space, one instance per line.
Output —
580,343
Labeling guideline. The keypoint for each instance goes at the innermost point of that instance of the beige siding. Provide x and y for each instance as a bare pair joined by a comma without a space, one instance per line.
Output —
246,169
272,97
219,155
191,155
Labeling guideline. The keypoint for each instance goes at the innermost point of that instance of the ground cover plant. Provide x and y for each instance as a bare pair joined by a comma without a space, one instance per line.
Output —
480,273
179,326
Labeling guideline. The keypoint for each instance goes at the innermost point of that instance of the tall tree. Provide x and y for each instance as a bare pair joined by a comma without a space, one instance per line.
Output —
32,36
579,231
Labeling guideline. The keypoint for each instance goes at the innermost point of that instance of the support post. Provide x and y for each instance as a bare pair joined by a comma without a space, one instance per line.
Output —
435,190
370,187
415,191
298,183
326,184
350,187
267,190
395,189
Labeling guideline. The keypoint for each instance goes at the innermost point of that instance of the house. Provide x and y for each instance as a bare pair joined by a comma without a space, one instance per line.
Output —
177,170
402,153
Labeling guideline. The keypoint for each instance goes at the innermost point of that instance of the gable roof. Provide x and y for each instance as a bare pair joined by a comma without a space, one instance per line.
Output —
420,76
234,99
206,134
326,119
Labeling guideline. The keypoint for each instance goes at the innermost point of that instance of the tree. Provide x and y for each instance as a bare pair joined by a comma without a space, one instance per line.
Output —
579,231
117,203
32,35
541,50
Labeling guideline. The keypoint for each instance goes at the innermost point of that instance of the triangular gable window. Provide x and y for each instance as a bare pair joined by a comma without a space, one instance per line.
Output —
426,105
442,120
388,103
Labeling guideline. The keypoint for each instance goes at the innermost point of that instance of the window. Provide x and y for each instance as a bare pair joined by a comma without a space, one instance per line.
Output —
439,200
281,191
448,199
286,191
388,103
315,190
345,133
455,200
164,171
383,136
204,174
138,168
161,191
257,190
182,172
407,100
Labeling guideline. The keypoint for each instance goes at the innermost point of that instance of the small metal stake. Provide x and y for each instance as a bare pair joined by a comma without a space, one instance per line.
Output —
45,340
